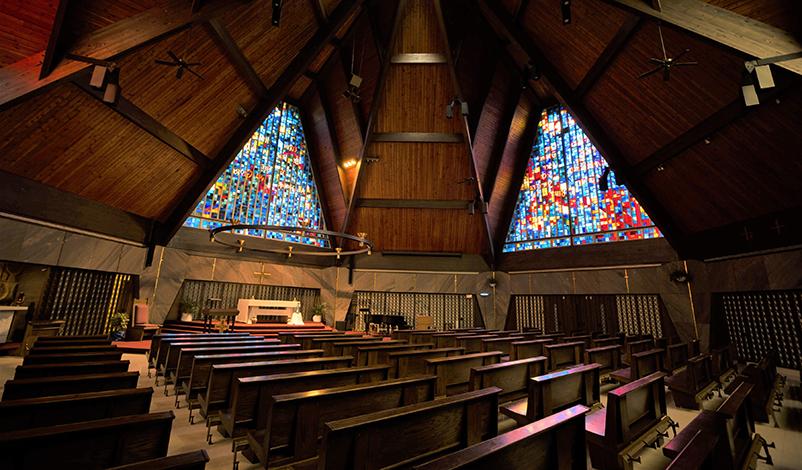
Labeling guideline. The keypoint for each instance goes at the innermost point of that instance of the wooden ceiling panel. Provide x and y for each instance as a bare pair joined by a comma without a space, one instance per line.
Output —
202,111
66,139
421,230
415,99
572,48
24,28
86,16
746,170
269,48
299,88
417,171
503,86
783,14
346,127
322,58
419,31
644,115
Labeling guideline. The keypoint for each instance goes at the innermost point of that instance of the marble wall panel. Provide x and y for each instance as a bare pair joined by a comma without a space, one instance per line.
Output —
82,252
132,259
29,243
551,283
609,281
783,270
519,283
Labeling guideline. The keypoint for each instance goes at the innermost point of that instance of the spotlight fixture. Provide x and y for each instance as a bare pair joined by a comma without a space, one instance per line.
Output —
748,90
353,92
105,76
463,107
350,163
762,70
371,160
529,72
565,5
276,12
112,91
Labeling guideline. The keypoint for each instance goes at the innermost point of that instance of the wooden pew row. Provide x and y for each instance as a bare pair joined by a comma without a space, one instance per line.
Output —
88,445
73,357
62,409
190,461
40,351
68,384
74,368
512,377
700,454
170,365
691,386
75,342
309,341
378,354
348,348
723,367
47,339
165,343
296,420
198,380
634,347
608,357
327,344
557,441
563,355
550,393
676,357
408,363
454,373
155,341
604,342
473,343
445,425
222,376
289,336
503,344
641,365
635,417
446,339
765,395
529,348
250,396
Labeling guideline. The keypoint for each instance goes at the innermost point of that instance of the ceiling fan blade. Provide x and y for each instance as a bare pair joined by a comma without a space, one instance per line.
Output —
666,74
179,73
662,43
173,56
650,72
192,64
195,73
164,62
686,63
681,54
656,60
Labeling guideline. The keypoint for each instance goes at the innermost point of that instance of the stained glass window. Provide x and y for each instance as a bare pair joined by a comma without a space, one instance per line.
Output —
269,182
561,203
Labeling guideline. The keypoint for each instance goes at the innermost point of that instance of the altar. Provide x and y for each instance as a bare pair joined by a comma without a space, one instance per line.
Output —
250,309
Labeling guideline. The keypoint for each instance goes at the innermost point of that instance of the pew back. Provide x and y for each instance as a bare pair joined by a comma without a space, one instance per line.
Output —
529,348
378,354
608,357
408,363
560,390
676,356
562,355
512,377
503,344
75,368
196,460
68,384
454,373
73,357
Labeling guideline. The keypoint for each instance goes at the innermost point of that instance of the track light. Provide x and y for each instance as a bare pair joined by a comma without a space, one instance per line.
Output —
748,90
276,12
105,76
112,91
565,5
463,107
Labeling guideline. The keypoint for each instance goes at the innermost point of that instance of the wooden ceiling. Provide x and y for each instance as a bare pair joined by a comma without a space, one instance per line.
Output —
715,176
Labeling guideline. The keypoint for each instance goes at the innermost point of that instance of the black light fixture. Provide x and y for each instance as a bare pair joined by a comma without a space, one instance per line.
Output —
762,70
112,91
276,12
463,106
565,5
105,76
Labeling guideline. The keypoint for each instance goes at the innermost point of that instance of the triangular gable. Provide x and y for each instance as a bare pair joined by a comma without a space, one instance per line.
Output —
269,182
561,203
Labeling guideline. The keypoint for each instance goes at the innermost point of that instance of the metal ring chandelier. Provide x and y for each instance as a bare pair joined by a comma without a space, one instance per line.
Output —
365,245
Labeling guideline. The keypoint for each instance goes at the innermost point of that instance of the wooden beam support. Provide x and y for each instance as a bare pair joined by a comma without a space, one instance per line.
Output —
29,199
505,24
466,128
415,203
54,43
608,54
419,58
263,107
500,141
374,110
236,57
423,137
335,145
723,26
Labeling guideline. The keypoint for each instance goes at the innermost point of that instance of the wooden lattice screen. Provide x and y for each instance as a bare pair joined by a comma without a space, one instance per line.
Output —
447,310
760,323
86,299
198,292
627,313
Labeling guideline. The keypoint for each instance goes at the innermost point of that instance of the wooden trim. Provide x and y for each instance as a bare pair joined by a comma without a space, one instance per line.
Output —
30,199
236,57
415,203
147,123
54,46
419,58
610,52
425,137
264,106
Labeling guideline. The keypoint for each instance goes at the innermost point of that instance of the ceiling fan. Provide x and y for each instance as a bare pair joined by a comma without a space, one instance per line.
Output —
181,65
666,63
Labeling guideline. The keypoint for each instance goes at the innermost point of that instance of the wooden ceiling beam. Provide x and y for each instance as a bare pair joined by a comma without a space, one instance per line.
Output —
723,26
453,204
607,56
235,55
357,114
510,105
263,107
146,122
374,110
21,79
466,128
421,137
505,24
335,145
55,46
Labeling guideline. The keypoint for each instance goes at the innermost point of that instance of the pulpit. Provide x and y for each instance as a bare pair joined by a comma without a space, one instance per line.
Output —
251,309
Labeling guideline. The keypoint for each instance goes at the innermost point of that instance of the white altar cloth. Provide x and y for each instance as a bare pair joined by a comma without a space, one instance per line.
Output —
250,308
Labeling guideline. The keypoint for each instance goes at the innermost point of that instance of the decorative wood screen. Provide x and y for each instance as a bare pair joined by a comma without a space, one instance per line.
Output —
630,313
758,323
86,299
198,292
447,310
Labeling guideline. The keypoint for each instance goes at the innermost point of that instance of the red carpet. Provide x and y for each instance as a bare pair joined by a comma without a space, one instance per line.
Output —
133,347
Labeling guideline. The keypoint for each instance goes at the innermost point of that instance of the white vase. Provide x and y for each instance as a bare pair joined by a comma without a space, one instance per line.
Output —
186,317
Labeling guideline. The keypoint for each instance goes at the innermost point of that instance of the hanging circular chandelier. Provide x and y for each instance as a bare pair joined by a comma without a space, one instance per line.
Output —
365,246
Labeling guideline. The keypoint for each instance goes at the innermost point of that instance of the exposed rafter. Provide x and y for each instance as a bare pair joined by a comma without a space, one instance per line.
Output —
54,43
415,203
500,141
263,107
608,54
495,14
235,55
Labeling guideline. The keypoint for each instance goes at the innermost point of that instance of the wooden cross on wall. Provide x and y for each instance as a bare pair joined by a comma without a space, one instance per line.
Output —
261,273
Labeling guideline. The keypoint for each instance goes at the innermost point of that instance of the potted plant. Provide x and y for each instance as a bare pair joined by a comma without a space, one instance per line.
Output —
189,309
319,312
118,322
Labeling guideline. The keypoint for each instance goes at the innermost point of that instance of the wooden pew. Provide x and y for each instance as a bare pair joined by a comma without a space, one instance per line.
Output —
67,343
407,363
446,340
156,340
636,346
676,357
454,373
377,354
166,343
348,348
642,364
603,342
198,379
557,441
473,343
196,460
608,357
88,445
327,344
512,377
692,385
529,348
764,394
562,355
635,417
68,358
222,376
40,351
250,395
68,384
587,339
503,344
700,454
62,409
722,366
74,368
554,392
422,336
290,336
296,420
445,425
170,364
45,339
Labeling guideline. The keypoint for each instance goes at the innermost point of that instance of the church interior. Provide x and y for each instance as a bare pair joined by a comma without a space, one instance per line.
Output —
412,234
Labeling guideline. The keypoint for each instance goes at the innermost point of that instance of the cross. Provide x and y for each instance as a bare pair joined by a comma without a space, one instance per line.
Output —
778,226
261,273
747,234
